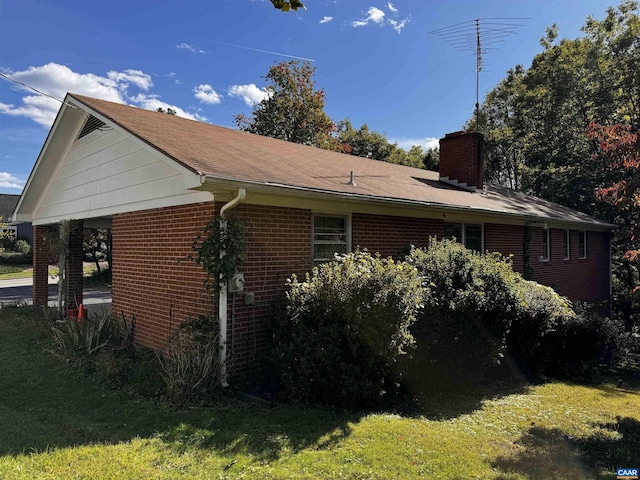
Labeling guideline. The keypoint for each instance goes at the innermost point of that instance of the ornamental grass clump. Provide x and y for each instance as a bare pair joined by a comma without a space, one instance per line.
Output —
345,328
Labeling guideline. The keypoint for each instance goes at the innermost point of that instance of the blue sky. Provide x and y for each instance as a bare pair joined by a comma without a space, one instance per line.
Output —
375,59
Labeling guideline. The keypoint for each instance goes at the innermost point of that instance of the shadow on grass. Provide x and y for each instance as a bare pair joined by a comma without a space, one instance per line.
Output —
550,453
45,404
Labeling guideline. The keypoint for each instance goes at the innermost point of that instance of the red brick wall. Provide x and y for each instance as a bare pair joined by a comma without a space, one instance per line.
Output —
279,241
149,283
579,279
461,158
388,235
506,239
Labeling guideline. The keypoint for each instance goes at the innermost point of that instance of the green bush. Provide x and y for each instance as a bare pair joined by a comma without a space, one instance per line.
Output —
468,310
22,246
540,313
14,258
345,329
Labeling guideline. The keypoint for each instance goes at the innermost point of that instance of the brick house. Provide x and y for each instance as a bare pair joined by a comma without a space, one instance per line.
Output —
156,179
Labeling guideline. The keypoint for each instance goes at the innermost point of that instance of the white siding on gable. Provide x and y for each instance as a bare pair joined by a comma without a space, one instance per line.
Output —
106,173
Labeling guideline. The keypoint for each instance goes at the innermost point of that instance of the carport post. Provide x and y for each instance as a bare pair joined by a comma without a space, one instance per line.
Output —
40,292
75,257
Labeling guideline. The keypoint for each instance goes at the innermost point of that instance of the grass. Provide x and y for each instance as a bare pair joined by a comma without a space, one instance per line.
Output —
11,272
55,422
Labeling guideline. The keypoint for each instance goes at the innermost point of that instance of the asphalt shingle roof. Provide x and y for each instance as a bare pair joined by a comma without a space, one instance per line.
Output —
232,154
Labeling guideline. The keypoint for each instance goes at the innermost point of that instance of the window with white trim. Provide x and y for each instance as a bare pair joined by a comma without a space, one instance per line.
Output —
582,244
330,236
546,245
566,244
471,235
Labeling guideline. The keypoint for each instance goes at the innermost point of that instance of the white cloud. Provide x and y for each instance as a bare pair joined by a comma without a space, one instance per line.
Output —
56,80
326,19
153,102
9,181
377,16
206,94
138,78
374,15
251,94
426,143
190,48
398,26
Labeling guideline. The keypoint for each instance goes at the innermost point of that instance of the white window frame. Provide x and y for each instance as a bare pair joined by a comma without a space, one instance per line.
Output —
463,229
582,252
567,244
12,230
346,217
546,235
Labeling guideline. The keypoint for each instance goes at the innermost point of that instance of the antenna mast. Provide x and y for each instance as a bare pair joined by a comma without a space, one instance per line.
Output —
478,37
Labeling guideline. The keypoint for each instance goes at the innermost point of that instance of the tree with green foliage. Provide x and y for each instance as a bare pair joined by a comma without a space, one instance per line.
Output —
363,142
293,110
534,120
288,5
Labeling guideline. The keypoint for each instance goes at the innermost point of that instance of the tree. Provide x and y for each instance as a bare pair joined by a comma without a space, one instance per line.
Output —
534,120
293,110
286,6
619,150
367,143
96,243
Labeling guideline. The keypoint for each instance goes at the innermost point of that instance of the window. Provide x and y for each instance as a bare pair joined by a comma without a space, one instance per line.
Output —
469,234
567,245
10,231
546,246
582,244
330,236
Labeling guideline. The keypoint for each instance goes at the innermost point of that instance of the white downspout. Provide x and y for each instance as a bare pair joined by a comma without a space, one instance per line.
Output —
222,299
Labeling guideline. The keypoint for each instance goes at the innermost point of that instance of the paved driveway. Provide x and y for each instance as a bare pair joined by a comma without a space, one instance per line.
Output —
19,292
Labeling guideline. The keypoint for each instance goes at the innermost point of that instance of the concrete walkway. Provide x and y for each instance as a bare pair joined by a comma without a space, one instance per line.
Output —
18,292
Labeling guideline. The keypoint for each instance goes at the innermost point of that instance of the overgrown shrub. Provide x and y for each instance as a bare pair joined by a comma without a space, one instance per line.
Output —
190,362
345,328
540,312
468,310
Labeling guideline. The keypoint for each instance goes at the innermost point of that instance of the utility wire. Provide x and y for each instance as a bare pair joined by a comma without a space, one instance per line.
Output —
6,77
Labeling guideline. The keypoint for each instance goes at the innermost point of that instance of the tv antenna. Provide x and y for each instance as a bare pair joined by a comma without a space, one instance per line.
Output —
479,37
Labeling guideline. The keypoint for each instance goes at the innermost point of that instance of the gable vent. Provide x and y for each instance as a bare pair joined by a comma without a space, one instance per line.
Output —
91,125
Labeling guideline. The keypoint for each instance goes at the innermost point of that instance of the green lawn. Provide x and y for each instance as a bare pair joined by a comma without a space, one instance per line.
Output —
55,422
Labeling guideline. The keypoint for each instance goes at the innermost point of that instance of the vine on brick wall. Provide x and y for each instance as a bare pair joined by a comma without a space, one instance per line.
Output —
221,248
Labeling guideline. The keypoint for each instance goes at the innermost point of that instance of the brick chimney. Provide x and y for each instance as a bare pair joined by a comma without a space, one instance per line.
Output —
462,160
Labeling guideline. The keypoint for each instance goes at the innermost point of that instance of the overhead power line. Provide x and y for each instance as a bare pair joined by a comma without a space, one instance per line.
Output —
6,77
